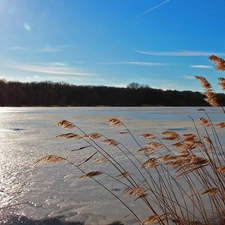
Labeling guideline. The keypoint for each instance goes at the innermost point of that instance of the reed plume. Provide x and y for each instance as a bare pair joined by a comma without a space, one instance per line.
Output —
176,178
219,63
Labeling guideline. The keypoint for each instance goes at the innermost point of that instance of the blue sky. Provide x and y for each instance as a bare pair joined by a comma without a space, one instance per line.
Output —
163,44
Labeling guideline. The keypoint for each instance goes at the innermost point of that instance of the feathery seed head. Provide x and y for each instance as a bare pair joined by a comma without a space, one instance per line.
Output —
170,135
136,191
50,158
221,169
183,153
147,149
222,83
90,174
198,160
204,121
207,139
65,124
212,101
114,121
110,142
101,160
189,138
150,163
154,144
70,135
167,157
147,136
124,174
219,63
211,191
94,135
209,94
221,124
205,84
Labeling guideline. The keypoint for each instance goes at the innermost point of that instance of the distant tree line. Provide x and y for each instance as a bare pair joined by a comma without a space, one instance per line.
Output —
47,93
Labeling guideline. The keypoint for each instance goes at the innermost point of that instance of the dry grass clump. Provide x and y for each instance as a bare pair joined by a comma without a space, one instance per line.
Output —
183,176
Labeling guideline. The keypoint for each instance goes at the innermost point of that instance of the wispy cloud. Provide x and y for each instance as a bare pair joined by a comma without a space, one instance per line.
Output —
147,11
61,64
52,68
201,66
17,48
189,77
138,63
48,49
180,53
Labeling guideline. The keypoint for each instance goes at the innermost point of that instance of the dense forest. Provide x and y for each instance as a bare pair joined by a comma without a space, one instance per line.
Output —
47,93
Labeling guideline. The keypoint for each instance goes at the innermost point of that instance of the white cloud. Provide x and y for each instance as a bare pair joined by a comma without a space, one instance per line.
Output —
146,63
139,63
61,64
189,77
179,53
49,49
17,48
201,66
52,68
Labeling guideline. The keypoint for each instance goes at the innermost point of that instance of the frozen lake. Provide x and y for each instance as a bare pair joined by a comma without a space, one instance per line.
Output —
51,193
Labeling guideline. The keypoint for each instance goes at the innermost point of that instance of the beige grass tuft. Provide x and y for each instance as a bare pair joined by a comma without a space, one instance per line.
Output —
70,135
90,174
65,124
220,124
114,121
94,135
50,158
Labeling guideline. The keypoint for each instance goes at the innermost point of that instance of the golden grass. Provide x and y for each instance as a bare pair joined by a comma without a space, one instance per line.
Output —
50,158
175,173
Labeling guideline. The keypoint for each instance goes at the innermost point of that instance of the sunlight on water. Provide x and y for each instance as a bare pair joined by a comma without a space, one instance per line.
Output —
31,192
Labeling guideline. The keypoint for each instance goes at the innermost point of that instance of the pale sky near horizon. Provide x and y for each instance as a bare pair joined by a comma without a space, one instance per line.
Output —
163,44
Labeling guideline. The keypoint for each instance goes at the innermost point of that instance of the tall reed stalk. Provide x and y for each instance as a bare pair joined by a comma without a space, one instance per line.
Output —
186,184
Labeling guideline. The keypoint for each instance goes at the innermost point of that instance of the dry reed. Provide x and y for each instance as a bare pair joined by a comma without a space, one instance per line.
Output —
195,158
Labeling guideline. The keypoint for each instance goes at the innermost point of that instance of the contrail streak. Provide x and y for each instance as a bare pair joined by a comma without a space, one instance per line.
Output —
147,11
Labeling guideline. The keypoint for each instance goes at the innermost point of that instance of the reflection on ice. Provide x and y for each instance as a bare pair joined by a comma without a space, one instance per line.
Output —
52,193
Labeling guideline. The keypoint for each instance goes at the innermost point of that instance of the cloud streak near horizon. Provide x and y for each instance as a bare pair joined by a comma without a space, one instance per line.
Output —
47,49
189,77
147,11
201,66
180,53
17,48
138,63
52,68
